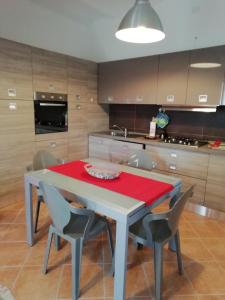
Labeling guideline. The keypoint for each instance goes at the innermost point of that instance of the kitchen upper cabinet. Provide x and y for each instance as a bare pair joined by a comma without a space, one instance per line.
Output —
15,71
172,78
205,84
215,187
129,81
49,71
78,79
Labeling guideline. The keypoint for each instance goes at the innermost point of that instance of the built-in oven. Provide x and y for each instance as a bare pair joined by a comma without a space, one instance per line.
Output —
51,111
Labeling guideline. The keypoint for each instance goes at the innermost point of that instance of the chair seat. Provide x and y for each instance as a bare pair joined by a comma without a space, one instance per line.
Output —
159,229
75,229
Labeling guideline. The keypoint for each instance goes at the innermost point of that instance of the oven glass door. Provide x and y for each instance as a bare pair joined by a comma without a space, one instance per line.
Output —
50,116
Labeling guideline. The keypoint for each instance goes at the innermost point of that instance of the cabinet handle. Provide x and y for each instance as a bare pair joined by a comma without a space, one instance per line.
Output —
12,106
203,98
78,97
100,142
12,92
172,167
139,99
170,98
110,99
53,144
174,155
51,87
154,165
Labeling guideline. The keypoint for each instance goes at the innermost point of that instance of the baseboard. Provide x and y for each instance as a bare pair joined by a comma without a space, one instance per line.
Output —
205,211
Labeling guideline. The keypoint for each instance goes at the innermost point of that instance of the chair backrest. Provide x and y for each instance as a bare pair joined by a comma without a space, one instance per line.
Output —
59,208
44,159
177,209
141,159
162,226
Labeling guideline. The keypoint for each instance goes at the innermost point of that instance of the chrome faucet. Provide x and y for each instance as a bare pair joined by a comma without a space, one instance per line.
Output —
121,129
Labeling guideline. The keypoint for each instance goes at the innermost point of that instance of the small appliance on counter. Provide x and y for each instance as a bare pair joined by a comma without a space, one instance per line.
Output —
51,112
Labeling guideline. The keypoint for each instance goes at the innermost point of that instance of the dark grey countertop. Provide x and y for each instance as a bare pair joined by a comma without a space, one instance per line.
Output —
143,140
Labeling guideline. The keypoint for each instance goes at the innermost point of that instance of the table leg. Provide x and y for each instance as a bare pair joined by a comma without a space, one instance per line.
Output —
120,260
29,211
172,244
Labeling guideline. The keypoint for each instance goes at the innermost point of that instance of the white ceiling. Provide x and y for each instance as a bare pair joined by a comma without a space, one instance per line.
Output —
85,28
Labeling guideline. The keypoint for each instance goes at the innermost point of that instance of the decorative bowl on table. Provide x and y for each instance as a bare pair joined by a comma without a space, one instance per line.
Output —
103,170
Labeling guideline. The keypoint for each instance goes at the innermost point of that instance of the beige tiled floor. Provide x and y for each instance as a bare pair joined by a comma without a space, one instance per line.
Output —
203,248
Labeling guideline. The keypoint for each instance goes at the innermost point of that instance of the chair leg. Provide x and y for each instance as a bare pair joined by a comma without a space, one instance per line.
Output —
178,252
57,242
47,251
158,266
139,246
76,266
110,239
37,214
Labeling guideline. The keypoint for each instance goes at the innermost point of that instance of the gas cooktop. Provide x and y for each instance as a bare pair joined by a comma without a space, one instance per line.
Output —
191,142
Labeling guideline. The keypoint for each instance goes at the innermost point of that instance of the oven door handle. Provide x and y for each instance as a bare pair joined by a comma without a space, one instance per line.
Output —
52,104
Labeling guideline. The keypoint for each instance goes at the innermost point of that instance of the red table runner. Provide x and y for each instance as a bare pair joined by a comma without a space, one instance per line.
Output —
137,187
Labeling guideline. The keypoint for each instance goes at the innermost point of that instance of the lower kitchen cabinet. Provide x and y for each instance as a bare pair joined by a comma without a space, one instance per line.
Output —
77,147
121,151
14,159
99,147
182,162
112,150
215,188
205,171
58,147
16,147
190,167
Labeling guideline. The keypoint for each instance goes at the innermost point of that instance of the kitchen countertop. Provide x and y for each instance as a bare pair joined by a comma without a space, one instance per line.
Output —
143,140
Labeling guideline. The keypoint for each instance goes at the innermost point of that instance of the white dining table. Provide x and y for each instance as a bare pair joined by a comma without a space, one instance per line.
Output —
124,210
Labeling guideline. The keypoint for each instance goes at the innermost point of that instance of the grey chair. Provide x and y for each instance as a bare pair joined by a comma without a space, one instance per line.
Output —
75,225
42,160
142,160
156,229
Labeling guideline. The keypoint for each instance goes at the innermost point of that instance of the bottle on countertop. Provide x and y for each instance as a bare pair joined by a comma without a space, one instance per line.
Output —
152,130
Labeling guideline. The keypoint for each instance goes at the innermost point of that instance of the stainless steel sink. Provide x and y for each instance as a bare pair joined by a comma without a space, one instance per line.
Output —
134,135
120,134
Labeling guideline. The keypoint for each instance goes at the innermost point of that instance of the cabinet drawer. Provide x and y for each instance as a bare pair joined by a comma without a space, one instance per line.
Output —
121,151
59,148
192,164
199,186
77,148
215,187
99,147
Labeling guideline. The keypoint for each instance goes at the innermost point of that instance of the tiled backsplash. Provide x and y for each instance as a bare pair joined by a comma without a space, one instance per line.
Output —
196,124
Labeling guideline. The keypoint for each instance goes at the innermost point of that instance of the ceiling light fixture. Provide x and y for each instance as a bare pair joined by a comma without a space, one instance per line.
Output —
205,65
204,58
141,25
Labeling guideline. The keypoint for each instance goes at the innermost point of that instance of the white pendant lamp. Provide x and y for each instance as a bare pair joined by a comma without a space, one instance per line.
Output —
205,65
141,25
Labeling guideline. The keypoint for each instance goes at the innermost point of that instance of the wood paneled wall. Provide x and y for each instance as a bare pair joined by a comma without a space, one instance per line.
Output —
24,70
